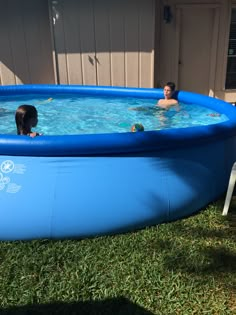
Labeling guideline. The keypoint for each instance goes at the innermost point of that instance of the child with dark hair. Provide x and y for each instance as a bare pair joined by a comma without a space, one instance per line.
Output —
26,117
168,101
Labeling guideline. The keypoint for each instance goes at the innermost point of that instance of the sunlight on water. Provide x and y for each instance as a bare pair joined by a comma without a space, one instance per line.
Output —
75,114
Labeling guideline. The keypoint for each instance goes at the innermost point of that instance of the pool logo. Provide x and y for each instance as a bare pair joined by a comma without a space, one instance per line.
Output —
6,168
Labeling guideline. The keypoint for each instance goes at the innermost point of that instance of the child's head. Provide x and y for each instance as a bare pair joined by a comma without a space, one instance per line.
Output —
26,117
171,85
137,127
169,90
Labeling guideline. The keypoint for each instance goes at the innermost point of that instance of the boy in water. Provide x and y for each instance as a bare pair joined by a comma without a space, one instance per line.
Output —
168,101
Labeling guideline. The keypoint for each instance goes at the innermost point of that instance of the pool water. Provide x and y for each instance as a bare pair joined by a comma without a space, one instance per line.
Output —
76,114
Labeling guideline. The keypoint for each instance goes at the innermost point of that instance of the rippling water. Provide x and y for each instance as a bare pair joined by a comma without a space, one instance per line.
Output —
73,114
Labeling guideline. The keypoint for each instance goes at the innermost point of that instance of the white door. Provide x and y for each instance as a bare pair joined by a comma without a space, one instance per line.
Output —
188,47
198,28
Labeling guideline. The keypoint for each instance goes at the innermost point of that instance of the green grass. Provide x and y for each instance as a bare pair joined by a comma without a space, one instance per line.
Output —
185,267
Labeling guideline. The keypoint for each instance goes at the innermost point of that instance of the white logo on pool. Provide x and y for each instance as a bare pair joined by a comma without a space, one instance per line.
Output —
7,168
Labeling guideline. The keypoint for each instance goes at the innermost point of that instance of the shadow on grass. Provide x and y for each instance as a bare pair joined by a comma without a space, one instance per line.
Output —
205,250
222,260
210,261
118,306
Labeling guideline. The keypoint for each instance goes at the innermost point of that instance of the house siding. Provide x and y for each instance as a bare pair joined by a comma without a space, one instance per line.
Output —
115,42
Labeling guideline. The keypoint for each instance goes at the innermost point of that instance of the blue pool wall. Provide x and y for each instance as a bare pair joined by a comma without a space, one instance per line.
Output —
89,185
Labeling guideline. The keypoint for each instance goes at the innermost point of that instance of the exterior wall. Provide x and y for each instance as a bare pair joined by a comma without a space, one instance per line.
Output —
25,45
104,42
117,43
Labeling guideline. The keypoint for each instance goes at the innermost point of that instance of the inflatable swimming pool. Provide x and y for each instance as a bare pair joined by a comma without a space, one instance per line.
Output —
88,185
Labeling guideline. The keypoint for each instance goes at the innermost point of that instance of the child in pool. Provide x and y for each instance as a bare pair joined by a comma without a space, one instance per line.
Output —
26,117
168,101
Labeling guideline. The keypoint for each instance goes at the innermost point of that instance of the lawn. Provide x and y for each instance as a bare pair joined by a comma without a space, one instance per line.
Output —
185,267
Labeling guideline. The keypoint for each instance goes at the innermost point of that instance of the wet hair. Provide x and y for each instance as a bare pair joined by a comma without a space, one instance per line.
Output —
23,117
171,85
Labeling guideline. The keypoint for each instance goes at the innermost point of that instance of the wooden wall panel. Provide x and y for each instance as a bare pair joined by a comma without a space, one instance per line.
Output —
6,58
98,42
37,39
147,29
18,41
59,40
117,43
73,42
132,11
105,42
25,47
87,37
46,74
102,40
